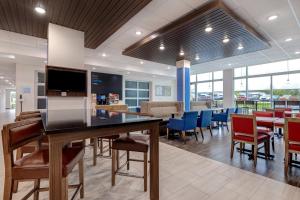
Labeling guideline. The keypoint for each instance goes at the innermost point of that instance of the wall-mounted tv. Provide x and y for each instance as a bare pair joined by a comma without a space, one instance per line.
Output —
65,81
103,84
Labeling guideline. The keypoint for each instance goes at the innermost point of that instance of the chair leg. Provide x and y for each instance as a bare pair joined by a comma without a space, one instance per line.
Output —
128,157
145,171
36,187
8,187
81,177
286,163
201,131
113,167
19,155
95,152
109,146
255,155
65,185
232,149
195,132
273,144
167,133
266,149
183,136
101,147
117,159
227,126
210,130
241,148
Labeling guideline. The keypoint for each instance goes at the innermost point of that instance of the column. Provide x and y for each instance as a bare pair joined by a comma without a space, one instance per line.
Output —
183,83
228,88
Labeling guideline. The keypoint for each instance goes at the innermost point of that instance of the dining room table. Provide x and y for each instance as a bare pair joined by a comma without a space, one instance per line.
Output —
64,126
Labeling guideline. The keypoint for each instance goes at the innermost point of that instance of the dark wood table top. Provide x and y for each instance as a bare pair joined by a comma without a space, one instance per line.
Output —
57,121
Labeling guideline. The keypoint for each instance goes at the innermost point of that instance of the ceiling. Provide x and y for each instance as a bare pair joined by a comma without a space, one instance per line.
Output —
188,35
158,13
98,19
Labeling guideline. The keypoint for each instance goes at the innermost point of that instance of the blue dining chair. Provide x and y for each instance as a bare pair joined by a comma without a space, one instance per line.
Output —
204,121
188,122
223,117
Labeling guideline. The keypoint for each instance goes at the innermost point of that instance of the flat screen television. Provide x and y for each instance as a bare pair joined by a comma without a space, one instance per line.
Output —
65,81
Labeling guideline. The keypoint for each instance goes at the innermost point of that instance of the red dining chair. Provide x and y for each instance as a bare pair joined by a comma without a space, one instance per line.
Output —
266,127
292,140
244,131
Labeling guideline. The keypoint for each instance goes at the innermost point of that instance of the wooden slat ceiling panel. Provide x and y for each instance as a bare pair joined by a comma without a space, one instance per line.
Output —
188,34
99,19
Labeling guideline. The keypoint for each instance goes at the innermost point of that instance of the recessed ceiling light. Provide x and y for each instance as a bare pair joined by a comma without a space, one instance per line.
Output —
229,64
94,68
272,17
288,39
11,56
226,40
6,80
161,47
240,47
138,32
1,77
181,53
141,62
103,54
168,68
40,10
208,29
197,57
297,52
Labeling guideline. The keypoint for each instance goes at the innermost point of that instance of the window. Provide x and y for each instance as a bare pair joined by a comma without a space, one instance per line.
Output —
193,78
204,91
40,94
204,77
218,75
286,87
135,93
240,72
193,92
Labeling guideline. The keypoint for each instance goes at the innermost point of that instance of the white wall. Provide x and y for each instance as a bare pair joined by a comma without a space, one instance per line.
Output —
66,49
2,99
228,87
25,78
163,81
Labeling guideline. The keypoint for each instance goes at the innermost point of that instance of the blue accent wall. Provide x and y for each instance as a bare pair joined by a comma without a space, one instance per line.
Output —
187,89
180,88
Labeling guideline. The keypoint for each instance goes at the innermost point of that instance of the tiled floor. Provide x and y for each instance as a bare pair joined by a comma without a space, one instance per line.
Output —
183,176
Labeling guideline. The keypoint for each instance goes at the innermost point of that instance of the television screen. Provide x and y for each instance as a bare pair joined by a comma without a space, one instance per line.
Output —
103,84
65,80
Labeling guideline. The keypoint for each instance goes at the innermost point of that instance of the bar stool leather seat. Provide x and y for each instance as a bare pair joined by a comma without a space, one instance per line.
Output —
139,143
36,164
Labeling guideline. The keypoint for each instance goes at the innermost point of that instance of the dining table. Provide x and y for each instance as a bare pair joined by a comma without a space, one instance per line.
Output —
64,126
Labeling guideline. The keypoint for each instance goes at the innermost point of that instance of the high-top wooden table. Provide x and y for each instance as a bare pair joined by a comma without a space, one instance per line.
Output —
64,126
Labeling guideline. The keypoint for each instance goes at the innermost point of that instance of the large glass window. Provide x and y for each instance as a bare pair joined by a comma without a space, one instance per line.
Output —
286,87
135,93
193,92
204,77
204,91
240,72
240,89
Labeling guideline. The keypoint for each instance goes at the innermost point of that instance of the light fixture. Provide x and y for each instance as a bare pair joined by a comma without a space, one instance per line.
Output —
103,54
197,57
11,56
208,29
141,62
1,77
288,39
6,80
94,68
229,64
138,32
181,53
272,17
161,47
40,10
168,68
297,52
240,47
226,40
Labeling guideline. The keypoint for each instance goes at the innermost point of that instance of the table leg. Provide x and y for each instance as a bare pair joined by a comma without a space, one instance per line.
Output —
154,162
57,190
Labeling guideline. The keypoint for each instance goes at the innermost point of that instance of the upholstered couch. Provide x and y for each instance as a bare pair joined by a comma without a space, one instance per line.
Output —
162,108
200,105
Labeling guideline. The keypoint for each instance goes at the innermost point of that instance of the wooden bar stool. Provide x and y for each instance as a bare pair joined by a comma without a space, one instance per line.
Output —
35,165
136,143
98,143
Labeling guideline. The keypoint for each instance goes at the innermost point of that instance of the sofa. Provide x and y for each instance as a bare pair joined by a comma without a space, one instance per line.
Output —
162,109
